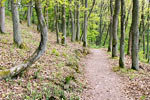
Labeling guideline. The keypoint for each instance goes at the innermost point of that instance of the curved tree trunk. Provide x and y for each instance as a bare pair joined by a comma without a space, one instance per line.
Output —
37,54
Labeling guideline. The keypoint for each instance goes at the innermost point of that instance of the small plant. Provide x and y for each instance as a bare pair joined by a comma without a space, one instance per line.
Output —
55,52
143,97
69,78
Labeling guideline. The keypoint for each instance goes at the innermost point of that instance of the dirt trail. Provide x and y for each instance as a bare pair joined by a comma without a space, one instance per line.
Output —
103,82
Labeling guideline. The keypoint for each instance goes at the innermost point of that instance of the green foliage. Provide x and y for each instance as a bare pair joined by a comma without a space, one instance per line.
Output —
142,57
55,52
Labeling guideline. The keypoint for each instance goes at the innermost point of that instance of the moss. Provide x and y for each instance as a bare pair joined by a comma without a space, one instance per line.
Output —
4,73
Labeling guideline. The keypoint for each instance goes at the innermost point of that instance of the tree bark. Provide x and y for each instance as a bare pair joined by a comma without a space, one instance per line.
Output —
128,15
29,15
16,23
14,71
115,28
56,21
122,44
135,34
107,35
64,23
85,25
78,21
111,25
2,17
148,20
73,37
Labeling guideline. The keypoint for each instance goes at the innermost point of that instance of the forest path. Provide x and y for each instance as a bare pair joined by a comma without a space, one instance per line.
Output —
104,84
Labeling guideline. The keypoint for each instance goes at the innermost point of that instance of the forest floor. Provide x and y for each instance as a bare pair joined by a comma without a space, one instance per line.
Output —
106,81
57,75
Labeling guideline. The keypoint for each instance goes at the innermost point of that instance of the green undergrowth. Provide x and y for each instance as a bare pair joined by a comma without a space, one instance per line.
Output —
124,71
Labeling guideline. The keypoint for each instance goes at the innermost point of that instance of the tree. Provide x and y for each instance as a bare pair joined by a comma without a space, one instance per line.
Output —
29,13
122,44
39,51
16,22
2,16
115,27
78,21
73,37
148,20
135,34
64,23
111,25
85,24
56,21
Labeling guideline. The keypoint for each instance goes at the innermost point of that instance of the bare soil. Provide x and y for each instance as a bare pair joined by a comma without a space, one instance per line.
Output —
103,83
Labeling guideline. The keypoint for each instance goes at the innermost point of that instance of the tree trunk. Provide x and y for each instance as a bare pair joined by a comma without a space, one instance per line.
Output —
2,17
135,34
111,25
142,28
16,24
85,25
64,23
115,28
148,20
122,44
56,23
130,42
78,21
107,35
29,14
14,71
128,15
73,37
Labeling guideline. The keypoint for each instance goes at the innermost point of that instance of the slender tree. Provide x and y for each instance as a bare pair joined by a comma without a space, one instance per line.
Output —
111,25
122,44
16,23
148,20
78,21
64,23
29,14
115,28
135,34
85,24
2,16
56,21
73,37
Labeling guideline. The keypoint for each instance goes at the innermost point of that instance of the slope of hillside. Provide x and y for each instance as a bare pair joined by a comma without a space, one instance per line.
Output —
57,75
